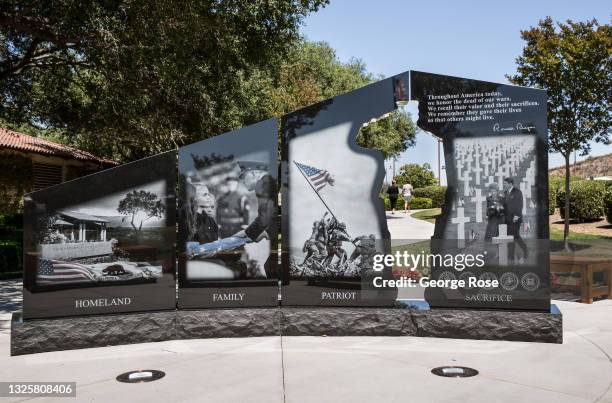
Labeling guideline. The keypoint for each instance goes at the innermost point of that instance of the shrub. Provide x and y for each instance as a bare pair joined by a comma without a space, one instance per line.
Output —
421,203
15,180
399,205
11,221
552,200
553,190
416,203
560,182
10,257
608,204
435,193
586,200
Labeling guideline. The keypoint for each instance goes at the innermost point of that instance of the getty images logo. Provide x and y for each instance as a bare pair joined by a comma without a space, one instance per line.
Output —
413,260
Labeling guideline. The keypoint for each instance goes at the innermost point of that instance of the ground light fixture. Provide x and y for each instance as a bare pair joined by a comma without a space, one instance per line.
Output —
141,375
454,372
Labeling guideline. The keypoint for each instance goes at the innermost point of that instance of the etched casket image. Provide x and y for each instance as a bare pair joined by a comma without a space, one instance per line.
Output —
333,217
228,227
102,243
494,221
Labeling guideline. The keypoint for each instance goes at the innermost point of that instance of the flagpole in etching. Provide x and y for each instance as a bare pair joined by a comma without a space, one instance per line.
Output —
315,190
320,198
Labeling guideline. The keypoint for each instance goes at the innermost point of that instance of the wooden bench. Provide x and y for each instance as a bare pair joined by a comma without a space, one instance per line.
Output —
586,266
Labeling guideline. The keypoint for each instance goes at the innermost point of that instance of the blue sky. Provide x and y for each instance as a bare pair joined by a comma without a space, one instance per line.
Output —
474,39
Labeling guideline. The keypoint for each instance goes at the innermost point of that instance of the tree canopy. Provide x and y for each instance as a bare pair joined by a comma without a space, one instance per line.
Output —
572,61
419,176
313,73
129,79
132,78
391,135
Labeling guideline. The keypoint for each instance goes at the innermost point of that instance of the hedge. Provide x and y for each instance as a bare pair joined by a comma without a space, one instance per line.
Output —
586,200
435,193
560,182
608,204
11,221
15,180
416,203
10,257
552,199
421,203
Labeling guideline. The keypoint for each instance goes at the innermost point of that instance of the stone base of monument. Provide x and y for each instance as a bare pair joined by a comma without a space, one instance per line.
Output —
413,319
41,335
416,319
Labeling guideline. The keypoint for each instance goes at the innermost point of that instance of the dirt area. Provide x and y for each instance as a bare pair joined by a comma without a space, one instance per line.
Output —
601,227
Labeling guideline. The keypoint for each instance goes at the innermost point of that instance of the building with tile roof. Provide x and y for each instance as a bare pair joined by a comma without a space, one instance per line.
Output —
30,163
52,162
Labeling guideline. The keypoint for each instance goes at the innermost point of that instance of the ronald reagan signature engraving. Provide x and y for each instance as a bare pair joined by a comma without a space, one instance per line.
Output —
519,127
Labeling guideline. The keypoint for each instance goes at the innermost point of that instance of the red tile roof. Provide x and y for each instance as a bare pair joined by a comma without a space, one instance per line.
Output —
22,142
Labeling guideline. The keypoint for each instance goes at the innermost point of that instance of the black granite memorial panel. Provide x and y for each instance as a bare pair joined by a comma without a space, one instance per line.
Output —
333,216
103,243
495,152
228,226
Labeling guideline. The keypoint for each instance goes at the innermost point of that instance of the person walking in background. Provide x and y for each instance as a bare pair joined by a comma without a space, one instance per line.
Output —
393,192
407,193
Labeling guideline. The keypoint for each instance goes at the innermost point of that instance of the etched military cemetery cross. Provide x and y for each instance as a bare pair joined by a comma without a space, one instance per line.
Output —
460,220
477,169
501,174
478,199
502,240
466,182
486,162
459,168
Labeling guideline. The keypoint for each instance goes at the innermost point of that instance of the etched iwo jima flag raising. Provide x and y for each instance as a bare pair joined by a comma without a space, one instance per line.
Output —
187,192
324,253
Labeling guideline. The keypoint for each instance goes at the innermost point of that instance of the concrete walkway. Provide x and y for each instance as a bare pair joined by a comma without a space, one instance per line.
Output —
407,230
336,369
403,227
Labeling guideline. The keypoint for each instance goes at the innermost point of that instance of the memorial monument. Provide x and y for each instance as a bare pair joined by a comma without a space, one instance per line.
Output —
107,243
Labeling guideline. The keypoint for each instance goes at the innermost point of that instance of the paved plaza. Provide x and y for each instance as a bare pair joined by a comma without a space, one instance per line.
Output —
333,369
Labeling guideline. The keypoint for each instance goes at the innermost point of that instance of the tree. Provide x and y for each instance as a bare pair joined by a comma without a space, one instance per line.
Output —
419,176
391,135
572,61
140,206
313,73
128,79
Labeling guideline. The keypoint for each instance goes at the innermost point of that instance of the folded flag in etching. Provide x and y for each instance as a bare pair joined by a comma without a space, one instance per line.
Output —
210,249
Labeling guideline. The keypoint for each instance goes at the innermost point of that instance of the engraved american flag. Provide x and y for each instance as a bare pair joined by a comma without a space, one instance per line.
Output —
317,177
59,272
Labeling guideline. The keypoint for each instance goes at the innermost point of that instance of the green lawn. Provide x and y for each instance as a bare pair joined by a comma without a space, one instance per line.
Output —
557,235
581,244
427,215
